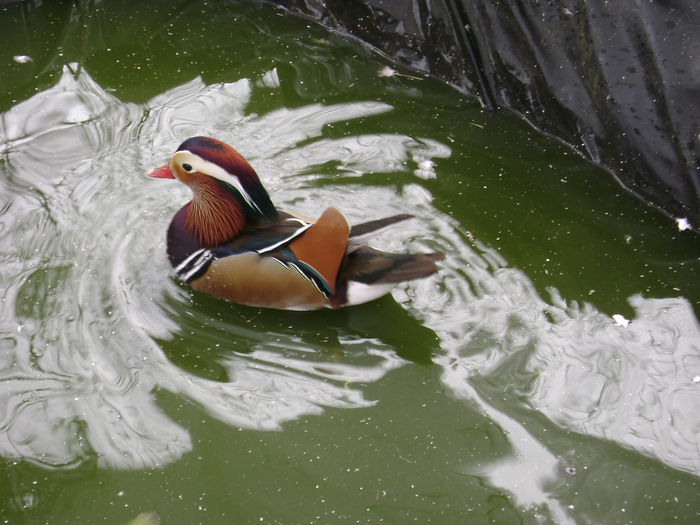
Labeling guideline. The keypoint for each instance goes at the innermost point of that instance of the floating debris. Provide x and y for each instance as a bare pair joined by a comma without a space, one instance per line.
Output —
683,224
22,59
570,471
145,518
620,320
426,169
388,72
270,79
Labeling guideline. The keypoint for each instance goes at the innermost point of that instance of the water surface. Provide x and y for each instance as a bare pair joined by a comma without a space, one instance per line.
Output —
549,373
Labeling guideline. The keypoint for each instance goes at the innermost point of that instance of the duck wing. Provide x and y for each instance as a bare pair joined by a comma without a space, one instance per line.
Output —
367,273
261,239
323,245
297,263
363,232
311,250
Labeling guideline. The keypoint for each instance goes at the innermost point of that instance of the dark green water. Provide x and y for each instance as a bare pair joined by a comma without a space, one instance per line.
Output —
505,389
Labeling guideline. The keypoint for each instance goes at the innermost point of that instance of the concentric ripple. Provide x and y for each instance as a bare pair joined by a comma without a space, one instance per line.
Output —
88,308
89,314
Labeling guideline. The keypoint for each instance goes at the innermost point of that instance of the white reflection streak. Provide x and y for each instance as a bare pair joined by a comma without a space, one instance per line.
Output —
84,296
526,472
93,371
579,367
632,384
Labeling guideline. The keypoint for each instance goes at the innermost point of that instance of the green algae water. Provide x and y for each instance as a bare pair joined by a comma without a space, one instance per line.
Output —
549,373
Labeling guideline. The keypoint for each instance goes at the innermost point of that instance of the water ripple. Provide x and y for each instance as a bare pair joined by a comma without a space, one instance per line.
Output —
92,325
632,384
88,312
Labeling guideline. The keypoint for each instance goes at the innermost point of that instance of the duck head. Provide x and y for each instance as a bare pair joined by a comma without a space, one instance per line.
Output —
227,194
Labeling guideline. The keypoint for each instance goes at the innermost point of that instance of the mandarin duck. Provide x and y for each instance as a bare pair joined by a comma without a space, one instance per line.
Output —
231,241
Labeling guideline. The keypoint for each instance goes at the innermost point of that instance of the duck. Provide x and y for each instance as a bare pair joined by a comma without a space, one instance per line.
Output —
232,242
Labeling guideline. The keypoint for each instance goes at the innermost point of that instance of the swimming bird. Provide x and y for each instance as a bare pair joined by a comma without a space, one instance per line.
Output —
231,241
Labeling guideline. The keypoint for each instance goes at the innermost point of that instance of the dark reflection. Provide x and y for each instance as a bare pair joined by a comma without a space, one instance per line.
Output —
29,496
210,329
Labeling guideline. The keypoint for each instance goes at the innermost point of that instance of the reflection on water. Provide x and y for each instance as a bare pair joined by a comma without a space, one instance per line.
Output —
88,291
635,384
92,326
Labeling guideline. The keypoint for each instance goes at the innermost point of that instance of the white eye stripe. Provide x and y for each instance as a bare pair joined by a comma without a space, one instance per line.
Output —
197,163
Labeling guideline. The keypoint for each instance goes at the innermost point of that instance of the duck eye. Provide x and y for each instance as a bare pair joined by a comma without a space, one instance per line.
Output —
187,167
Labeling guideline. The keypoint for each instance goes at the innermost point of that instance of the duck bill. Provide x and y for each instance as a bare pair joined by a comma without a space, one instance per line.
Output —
161,173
